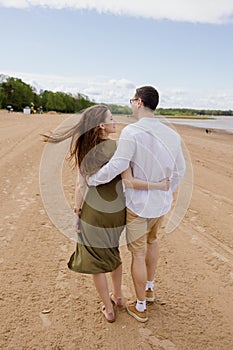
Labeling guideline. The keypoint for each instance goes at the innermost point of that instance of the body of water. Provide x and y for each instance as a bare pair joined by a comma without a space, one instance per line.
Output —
224,123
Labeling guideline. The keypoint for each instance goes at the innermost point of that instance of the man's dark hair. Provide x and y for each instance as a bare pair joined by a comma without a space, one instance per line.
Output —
149,96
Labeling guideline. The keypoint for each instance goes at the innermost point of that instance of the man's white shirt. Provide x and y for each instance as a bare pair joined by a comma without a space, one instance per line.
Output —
153,151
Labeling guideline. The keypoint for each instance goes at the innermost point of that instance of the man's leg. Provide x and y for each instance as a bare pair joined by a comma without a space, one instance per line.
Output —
151,264
152,256
139,274
137,308
136,229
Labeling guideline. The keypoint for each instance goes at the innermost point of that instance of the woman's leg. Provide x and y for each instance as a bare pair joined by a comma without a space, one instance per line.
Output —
101,286
116,281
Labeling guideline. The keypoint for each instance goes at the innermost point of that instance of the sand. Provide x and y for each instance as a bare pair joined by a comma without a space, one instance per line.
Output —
46,306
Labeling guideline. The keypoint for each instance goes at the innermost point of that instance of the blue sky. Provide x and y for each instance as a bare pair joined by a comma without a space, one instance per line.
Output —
105,49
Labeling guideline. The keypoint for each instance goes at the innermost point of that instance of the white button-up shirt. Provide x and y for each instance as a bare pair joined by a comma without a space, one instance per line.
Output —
153,151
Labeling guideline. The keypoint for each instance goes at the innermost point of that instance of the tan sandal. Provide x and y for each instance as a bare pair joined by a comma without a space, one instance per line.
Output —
110,316
116,301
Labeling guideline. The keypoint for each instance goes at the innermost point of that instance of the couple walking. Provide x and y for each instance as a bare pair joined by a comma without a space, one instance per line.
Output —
149,161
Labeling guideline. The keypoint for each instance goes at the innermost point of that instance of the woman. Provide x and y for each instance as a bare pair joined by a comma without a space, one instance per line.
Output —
100,211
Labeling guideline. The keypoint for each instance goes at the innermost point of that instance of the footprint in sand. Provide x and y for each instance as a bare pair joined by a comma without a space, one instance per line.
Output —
148,336
45,319
199,229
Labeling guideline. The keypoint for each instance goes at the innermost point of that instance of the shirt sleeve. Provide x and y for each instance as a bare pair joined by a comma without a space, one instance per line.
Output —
118,163
179,169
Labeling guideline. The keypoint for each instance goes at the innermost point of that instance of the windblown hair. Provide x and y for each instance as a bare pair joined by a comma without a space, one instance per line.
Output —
85,136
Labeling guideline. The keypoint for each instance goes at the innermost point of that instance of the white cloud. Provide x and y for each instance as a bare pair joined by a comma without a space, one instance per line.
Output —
103,89
99,89
197,99
122,83
207,11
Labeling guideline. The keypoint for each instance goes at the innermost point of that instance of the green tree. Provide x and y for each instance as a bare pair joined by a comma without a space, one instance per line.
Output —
17,93
2,97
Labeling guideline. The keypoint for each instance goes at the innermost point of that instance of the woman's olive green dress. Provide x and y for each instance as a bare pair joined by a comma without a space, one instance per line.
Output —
102,221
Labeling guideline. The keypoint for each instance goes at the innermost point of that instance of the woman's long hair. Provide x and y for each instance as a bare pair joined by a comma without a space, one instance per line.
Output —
85,136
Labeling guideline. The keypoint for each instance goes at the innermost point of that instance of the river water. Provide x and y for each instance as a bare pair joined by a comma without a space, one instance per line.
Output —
223,123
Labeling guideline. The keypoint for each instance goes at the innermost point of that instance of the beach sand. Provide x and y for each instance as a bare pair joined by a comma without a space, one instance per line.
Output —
46,306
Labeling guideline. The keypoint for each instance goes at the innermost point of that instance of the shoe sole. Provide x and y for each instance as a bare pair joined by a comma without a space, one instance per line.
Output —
140,319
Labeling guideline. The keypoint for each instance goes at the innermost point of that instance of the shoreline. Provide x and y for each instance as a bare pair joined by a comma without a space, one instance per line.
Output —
203,130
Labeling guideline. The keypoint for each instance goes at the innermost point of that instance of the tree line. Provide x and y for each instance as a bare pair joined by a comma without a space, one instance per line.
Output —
174,112
18,94
193,112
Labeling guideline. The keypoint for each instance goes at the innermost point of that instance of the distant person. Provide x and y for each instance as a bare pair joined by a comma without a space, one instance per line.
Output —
32,110
99,213
153,151
39,110
9,108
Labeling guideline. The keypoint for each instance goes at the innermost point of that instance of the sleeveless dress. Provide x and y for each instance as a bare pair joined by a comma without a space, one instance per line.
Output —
102,221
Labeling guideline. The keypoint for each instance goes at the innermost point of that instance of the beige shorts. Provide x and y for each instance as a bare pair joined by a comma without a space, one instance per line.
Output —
140,231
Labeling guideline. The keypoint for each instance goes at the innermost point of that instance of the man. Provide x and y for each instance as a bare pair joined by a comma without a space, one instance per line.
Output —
153,151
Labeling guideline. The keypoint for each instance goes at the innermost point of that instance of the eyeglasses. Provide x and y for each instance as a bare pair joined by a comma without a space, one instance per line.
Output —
132,99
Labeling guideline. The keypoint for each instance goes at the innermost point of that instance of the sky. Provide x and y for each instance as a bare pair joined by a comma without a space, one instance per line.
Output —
105,49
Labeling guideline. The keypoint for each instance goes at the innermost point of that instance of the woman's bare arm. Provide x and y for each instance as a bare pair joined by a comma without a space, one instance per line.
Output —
130,182
80,189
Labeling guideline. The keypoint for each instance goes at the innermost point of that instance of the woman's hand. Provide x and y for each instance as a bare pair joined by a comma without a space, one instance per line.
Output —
76,223
164,184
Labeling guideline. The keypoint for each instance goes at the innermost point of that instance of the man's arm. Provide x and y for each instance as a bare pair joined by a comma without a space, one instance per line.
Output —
179,170
118,163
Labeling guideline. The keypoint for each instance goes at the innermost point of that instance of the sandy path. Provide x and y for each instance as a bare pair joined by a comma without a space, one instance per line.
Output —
45,306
